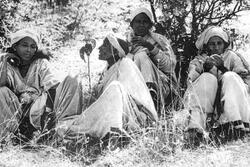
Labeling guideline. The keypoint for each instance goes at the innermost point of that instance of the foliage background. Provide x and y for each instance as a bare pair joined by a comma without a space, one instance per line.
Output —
63,28
184,20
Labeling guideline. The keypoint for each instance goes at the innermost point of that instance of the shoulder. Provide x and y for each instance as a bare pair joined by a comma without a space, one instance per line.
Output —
231,53
159,36
42,61
42,64
162,41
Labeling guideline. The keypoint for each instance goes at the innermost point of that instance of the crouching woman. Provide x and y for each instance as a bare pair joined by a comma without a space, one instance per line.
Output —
216,87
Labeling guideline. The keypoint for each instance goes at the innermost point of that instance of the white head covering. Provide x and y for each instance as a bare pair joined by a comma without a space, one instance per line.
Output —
114,42
141,10
211,32
18,35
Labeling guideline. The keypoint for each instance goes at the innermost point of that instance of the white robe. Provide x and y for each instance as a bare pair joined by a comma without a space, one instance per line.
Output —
200,95
157,68
124,103
39,79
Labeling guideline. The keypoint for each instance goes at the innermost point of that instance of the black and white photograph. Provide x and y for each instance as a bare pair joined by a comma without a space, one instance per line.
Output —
121,83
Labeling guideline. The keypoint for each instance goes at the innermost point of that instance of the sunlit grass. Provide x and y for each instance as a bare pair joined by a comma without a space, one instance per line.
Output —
159,145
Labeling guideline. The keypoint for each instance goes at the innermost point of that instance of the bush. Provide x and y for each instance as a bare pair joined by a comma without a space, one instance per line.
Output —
184,20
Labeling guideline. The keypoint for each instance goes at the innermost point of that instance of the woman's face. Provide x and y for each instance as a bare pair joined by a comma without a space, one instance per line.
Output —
26,48
141,24
216,45
105,50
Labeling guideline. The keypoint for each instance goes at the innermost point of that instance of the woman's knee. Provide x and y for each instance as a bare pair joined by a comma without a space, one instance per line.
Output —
208,76
231,79
72,81
207,79
230,76
204,88
141,56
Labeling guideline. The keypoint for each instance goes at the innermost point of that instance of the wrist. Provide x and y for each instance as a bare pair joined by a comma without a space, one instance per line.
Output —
48,109
154,51
223,69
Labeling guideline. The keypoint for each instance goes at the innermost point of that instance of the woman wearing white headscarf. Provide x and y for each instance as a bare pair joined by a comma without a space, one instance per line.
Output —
153,55
28,88
216,86
119,104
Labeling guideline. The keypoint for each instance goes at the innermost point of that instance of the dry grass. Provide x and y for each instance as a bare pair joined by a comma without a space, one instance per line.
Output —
42,156
229,155
153,147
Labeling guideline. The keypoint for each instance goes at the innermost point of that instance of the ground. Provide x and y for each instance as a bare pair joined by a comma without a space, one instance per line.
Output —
145,151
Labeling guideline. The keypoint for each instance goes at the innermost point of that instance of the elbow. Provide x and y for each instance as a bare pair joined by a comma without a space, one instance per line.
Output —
174,62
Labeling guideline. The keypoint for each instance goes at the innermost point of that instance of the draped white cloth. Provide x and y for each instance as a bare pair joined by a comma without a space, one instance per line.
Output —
203,86
124,103
39,79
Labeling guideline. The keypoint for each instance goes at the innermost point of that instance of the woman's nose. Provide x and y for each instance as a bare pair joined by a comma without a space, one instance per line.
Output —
216,47
28,48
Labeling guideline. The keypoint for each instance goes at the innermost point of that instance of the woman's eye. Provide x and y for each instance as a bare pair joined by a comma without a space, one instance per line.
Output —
25,45
33,46
214,43
141,21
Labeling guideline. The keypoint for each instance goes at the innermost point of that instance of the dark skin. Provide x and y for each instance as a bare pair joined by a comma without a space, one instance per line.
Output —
108,53
215,47
141,25
25,49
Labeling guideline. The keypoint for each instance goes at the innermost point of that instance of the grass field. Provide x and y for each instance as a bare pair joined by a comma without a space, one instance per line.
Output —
147,149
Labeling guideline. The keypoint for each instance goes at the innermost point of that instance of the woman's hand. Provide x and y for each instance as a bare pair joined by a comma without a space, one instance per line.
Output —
208,65
139,41
28,96
218,62
25,98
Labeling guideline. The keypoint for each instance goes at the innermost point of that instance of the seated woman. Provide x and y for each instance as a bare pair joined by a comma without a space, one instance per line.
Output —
153,55
28,88
124,103
216,87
